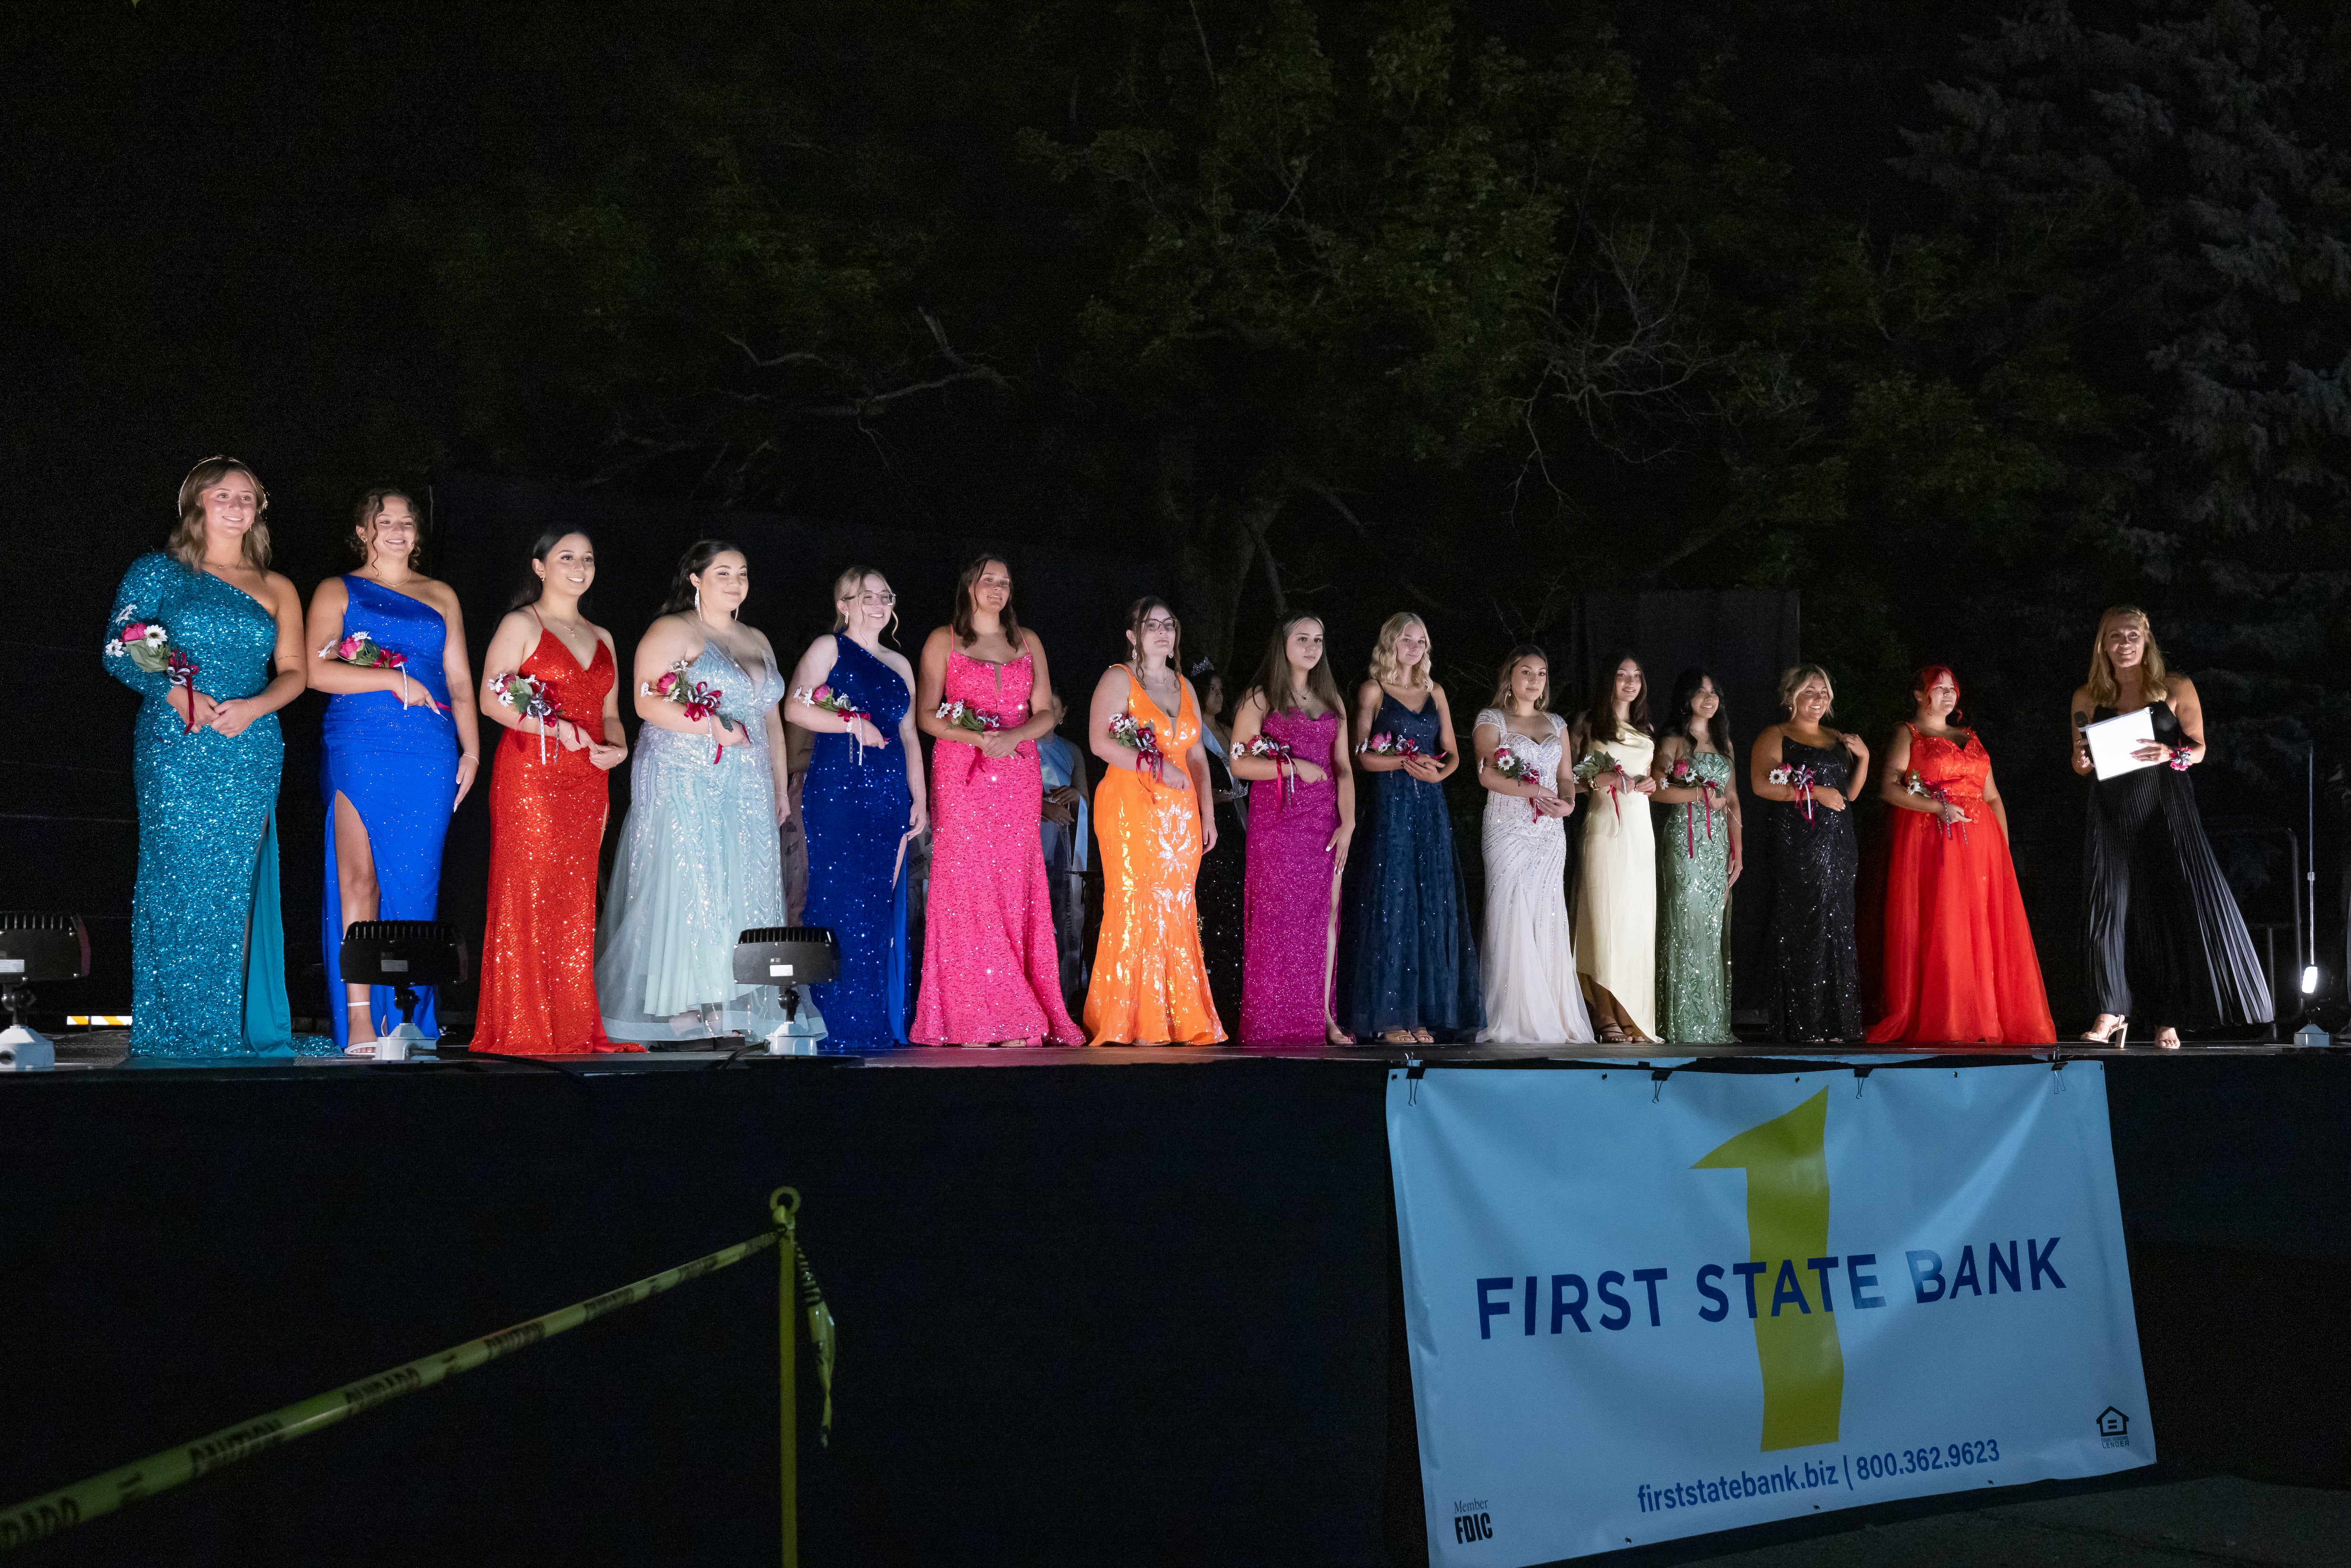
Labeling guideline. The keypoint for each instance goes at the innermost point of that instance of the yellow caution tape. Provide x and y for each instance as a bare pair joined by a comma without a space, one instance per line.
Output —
55,1513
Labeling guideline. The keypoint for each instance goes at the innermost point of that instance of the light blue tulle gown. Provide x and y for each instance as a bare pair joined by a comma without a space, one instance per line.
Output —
398,767
854,809
207,938
699,864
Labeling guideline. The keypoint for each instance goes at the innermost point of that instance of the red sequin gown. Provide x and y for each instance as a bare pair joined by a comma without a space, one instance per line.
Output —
1960,968
546,824
990,969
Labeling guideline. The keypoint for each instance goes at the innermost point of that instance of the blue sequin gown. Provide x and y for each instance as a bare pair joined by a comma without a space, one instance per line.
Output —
398,768
207,938
854,814
699,864
1409,960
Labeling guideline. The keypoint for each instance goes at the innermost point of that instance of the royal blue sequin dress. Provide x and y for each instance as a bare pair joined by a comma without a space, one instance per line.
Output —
855,813
398,768
207,938
1409,960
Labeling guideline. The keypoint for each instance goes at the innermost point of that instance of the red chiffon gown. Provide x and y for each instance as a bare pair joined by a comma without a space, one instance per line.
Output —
1960,968
546,824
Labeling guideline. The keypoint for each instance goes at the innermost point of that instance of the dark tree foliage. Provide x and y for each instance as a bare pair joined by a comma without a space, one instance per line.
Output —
1964,319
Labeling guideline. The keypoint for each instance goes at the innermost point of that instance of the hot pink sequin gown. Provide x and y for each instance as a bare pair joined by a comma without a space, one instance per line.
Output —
1285,978
990,970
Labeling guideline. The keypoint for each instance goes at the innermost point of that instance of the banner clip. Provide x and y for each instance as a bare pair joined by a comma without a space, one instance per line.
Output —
1657,1076
1861,1077
1415,1069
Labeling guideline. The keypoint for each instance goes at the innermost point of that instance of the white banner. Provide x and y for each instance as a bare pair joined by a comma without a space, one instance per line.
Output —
1643,1310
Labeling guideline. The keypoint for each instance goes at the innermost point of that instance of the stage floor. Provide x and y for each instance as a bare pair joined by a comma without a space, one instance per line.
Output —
103,1049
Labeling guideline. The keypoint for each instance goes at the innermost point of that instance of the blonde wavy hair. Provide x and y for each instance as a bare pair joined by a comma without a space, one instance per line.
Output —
1794,679
187,540
2105,689
1383,656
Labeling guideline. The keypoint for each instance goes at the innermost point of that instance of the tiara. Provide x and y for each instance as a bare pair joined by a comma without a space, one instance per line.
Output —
1203,666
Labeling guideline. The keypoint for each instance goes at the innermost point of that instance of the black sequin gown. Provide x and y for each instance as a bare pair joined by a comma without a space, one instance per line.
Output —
2164,940
1814,866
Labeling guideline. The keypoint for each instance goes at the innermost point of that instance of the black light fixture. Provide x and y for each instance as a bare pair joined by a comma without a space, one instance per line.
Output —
788,957
403,955
35,947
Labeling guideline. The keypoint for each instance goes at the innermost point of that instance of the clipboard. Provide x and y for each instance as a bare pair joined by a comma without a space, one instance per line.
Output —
2112,741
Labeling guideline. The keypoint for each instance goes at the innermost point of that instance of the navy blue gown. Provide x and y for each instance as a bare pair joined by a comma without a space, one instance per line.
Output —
1410,960
398,768
854,812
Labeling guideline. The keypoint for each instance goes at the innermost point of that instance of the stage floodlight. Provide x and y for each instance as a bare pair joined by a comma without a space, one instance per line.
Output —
35,947
788,957
404,955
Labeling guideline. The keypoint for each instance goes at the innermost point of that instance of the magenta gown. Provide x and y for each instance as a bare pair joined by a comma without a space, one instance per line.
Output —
990,969
1286,908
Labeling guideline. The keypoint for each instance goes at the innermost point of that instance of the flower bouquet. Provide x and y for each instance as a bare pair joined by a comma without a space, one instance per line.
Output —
1284,759
1917,786
698,700
824,699
1142,739
1799,778
1684,775
528,697
963,715
1518,769
367,653
1598,770
149,647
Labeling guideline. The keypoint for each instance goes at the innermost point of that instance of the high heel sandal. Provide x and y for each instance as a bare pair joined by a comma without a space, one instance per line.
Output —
1612,1033
1333,1035
2117,1033
367,1017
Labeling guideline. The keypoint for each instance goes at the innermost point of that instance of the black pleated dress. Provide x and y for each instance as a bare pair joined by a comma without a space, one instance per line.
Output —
2166,943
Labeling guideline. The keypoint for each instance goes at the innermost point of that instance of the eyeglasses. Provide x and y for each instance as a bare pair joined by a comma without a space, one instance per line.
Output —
884,600
1158,623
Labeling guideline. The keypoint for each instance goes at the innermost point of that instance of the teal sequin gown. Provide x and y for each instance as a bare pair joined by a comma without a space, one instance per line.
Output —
699,864
207,938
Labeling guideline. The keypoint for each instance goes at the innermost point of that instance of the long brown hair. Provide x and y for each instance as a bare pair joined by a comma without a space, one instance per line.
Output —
188,538
684,598
1600,719
370,509
1272,678
2106,687
963,628
1135,614
1520,656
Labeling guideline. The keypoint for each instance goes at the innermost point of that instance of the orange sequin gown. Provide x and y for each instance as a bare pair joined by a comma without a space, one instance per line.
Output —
1149,985
546,824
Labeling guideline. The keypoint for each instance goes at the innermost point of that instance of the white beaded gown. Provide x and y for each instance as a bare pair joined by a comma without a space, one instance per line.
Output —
1529,978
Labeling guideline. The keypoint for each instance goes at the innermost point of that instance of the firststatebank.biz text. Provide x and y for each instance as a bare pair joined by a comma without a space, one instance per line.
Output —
1808,1475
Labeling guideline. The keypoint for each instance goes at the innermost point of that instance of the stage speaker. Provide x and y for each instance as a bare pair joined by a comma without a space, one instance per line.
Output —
35,947
788,957
404,955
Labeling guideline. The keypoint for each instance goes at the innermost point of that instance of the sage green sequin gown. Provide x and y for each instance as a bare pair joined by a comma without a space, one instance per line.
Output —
1694,885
